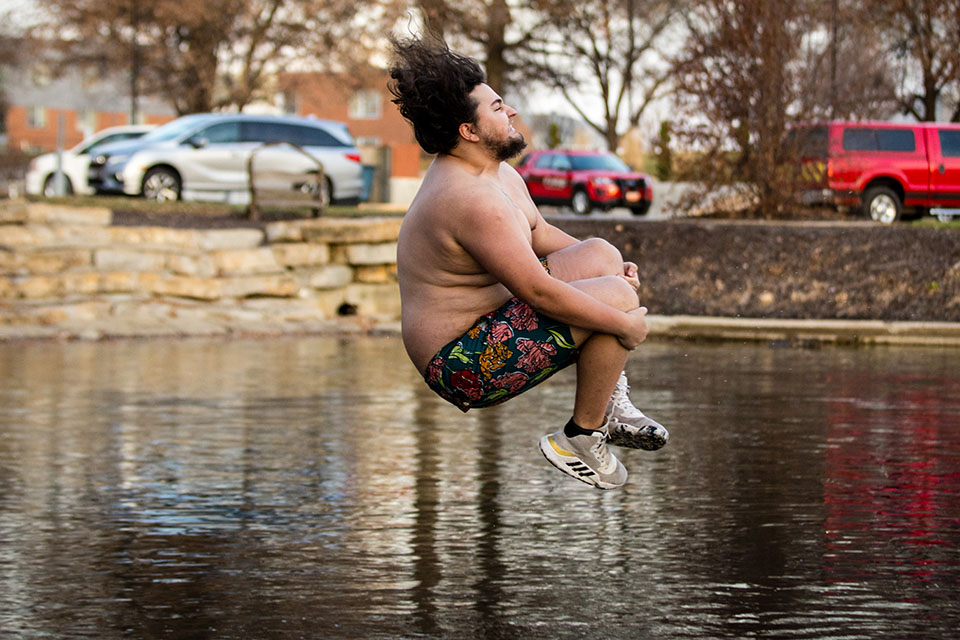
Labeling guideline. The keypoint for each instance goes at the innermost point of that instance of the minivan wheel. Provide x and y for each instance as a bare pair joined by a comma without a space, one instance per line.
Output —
580,202
882,204
161,184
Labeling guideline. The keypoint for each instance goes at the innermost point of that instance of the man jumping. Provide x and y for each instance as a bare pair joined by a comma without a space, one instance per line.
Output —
494,299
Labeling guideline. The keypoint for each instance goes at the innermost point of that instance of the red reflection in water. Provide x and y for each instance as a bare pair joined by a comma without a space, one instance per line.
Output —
892,478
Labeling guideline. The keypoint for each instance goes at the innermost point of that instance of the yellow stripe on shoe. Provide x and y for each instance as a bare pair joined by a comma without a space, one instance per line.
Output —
556,448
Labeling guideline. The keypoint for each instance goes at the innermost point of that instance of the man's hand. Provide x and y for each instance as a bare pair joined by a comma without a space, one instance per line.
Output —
637,332
630,275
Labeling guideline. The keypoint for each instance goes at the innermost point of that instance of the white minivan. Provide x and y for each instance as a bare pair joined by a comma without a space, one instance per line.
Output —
206,157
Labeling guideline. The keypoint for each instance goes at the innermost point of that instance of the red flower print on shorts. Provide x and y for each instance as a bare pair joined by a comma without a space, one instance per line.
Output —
536,355
512,381
522,316
500,332
467,382
434,370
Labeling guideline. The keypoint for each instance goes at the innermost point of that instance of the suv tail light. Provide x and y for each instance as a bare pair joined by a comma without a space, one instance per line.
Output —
353,156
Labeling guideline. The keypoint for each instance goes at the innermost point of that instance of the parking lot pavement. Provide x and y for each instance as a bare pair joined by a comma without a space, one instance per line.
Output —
667,203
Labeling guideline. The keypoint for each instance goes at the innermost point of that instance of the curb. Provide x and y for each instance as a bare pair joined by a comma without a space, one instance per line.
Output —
846,332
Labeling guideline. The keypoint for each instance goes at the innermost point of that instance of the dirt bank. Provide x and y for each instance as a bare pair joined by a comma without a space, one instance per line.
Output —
844,270
812,269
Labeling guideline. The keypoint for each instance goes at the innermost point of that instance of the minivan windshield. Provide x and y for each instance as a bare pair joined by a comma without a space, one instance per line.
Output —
175,128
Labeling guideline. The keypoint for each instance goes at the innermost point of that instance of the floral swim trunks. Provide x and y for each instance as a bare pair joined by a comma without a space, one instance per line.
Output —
505,353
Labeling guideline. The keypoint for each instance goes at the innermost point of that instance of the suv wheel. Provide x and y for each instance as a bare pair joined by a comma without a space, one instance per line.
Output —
161,184
580,202
640,209
882,204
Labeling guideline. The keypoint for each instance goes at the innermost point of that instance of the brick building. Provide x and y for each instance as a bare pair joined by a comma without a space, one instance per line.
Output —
87,102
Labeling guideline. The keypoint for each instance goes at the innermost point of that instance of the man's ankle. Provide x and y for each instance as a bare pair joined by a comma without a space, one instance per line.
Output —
572,429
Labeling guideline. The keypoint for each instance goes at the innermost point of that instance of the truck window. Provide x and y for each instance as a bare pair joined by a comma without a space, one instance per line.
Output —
950,143
808,142
896,140
863,139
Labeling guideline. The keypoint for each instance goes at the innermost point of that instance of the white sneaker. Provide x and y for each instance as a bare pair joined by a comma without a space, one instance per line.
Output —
628,426
585,457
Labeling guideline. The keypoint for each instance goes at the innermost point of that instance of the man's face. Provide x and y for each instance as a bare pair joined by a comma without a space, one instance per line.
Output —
494,122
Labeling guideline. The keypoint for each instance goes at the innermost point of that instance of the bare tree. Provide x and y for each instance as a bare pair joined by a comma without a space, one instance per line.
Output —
736,86
843,66
210,55
498,32
612,50
925,41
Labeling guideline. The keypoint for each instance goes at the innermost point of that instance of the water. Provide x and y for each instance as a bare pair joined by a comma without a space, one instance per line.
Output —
315,488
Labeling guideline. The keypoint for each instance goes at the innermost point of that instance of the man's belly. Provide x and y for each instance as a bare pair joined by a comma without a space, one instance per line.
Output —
430,325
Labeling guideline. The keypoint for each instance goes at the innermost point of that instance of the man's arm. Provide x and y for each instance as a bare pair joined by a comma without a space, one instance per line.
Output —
493,236
548,238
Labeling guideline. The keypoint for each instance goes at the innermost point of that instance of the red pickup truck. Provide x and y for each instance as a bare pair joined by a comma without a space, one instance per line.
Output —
882,167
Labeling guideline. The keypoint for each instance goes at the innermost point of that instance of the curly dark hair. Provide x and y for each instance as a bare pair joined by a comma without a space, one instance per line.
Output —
431,85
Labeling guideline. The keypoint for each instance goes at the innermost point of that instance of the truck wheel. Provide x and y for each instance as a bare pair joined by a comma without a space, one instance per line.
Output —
161,184
882,204
580,202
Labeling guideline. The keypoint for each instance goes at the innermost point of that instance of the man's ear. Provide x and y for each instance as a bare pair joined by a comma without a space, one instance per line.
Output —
469,132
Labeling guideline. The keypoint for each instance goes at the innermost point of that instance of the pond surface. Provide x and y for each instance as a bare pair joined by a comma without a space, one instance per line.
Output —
315,488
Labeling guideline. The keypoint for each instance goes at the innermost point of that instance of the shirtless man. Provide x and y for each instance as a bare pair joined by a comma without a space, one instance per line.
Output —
494,299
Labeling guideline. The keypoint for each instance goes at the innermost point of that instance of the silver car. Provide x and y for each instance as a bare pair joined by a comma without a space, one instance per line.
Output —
206,157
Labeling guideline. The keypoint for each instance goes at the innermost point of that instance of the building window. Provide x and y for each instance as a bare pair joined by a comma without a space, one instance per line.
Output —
36,117
87,121
365,105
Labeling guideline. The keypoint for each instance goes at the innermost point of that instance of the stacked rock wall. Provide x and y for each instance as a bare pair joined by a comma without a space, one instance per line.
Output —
68,271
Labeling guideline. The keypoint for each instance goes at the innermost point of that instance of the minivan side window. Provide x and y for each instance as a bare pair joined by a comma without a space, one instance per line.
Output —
315,137
949,143
863,139
220,133
267,132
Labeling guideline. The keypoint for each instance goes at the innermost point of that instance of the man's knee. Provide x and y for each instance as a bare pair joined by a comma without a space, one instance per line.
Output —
606,255
618,293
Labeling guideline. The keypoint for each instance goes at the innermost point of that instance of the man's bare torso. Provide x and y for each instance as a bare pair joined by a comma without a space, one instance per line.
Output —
443,289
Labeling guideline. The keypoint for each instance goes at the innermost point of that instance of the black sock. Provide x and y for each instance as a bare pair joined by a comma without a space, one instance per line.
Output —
573,429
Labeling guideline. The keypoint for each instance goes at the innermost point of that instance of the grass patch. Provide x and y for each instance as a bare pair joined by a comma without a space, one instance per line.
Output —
931,221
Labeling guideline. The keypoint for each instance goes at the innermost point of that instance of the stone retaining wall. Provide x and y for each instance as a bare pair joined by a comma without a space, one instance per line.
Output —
66,271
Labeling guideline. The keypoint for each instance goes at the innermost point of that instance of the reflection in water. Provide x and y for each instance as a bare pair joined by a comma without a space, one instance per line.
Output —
314,487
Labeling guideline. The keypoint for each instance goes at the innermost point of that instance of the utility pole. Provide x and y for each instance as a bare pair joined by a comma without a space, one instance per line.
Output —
833,57
134,63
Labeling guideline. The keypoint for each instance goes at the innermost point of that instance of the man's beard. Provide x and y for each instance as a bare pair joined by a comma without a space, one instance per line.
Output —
503,150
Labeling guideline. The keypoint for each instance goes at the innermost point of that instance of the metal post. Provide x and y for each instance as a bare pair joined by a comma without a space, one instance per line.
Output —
59,184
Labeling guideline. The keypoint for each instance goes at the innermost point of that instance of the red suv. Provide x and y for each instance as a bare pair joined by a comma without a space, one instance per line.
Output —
882,167
585,180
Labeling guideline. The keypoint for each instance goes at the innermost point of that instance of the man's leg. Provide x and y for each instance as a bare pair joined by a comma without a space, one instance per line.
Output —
602,357
580,448
631,428
593,266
